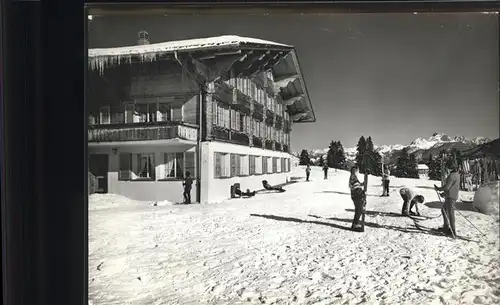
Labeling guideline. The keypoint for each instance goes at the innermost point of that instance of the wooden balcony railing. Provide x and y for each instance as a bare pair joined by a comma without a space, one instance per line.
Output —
258,111
257,142
269,118
277,146
240,138
142,132
220,133
287,126
286,148
269,144
278,122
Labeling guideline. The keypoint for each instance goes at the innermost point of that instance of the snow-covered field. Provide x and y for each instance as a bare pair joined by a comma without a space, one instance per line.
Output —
288,248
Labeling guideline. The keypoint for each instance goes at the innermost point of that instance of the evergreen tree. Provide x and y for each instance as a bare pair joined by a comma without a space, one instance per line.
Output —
321,161
330,156
339,157
433,172
360,154
375,159
402,165
304,158
413,167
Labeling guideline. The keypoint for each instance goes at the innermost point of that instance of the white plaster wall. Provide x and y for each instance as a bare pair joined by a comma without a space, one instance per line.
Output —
144,190
218,189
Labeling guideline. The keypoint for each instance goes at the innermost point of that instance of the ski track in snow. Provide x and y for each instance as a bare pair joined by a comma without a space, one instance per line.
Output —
289,248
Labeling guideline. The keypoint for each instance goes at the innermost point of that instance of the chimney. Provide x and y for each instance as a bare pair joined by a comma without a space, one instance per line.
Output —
143,38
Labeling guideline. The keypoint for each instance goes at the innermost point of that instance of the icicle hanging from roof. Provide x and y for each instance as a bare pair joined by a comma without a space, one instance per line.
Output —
100,62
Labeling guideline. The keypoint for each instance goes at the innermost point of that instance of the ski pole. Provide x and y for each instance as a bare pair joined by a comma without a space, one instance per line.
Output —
470,223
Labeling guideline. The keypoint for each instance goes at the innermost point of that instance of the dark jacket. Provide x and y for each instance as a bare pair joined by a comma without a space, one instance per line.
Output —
188,183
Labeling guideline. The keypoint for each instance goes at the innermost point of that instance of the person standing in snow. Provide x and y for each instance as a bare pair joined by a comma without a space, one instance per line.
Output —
325,170
385,181
358,197
188,184
410,200
450,193
308,172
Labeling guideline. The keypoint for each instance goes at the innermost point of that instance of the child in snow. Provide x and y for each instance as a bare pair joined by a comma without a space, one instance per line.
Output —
410,200
358,197
450,193
308,172
325,170
188,184
385,180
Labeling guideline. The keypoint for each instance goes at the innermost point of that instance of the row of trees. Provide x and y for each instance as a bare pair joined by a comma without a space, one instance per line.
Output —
435,164
335,157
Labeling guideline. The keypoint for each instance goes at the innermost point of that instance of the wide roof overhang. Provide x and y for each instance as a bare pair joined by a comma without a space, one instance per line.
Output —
212,58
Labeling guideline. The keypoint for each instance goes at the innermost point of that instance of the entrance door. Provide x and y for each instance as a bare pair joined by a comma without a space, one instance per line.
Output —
98,169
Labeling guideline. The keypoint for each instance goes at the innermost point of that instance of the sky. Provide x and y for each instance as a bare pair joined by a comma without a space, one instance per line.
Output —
394,77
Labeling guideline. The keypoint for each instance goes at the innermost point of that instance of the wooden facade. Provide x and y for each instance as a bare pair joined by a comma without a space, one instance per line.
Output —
161,100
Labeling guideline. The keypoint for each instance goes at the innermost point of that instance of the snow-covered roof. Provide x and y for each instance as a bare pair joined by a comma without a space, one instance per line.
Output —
422,166
150,51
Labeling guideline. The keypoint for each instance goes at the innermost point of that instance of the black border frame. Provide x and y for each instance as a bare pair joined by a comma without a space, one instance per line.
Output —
43,179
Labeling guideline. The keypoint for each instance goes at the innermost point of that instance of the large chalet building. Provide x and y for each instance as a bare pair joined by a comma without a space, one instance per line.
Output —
220,108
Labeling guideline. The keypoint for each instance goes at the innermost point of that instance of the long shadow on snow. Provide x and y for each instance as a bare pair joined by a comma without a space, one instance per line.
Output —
368,224
461,206
376,225
345,193
375,213
291,219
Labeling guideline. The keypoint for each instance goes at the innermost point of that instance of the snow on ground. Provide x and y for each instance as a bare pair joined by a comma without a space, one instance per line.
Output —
289,248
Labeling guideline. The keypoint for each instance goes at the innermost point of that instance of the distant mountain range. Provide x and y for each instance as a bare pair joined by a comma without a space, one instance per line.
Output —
421,147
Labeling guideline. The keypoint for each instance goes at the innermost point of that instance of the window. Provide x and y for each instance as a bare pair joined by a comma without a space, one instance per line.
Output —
235,165
244,165
288,165
105,115
279,162
258,166
222,165
264,165
125,171
137,167
190,163
164,112
251,165
176,112
275,165
173,165
283,165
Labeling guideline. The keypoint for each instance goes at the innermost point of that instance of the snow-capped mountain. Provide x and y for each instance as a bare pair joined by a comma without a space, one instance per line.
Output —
421,147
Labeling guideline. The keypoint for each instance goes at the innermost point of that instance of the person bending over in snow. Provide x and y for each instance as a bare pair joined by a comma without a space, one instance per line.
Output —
410,200
358,197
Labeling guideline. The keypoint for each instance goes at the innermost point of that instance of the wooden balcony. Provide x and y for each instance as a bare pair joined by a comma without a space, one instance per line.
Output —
220,133
241,101
257,142
269,117
278,124
258,111
287,126
269,144
232,96
240,138
142,132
